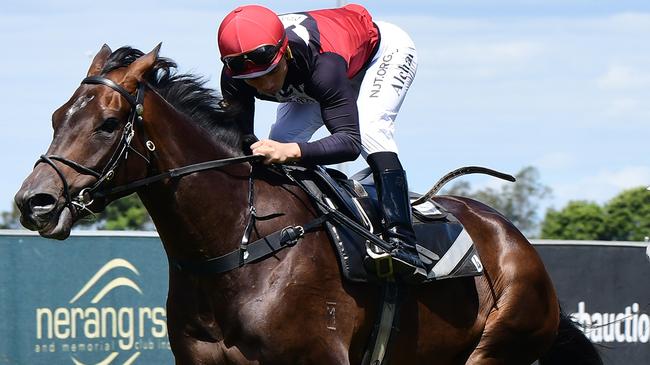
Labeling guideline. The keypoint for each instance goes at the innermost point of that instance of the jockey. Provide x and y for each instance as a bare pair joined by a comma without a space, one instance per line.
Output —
333,67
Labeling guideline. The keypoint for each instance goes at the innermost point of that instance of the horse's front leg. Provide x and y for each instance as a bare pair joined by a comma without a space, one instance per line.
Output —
190,351
191,343
194,335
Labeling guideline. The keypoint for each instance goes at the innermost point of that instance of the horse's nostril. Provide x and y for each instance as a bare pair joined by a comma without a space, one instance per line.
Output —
41,204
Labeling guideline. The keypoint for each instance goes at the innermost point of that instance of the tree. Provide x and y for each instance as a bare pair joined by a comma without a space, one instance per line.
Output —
628,215
579,220
127,213
10,220
519,201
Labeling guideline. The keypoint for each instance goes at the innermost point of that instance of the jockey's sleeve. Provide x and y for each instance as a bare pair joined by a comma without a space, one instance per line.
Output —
331,87
241,97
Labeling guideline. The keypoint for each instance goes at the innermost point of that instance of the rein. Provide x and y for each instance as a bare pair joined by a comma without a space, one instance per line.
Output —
179,172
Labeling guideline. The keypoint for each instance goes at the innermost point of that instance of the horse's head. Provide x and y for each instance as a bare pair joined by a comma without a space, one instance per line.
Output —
93,135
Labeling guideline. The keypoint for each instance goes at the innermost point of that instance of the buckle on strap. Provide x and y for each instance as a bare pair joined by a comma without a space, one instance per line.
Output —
290,235
384,266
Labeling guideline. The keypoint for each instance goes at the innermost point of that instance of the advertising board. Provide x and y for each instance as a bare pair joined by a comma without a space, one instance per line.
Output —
99,298
605,286
87,300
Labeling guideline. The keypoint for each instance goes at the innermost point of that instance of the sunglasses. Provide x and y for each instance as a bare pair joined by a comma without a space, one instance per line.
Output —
260,56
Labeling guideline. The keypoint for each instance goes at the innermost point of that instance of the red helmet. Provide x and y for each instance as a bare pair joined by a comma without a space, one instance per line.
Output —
252,41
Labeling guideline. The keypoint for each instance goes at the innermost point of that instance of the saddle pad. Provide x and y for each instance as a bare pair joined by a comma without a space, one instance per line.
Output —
443,240
455,253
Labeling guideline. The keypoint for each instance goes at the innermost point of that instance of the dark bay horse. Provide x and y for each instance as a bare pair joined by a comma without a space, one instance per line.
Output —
278,310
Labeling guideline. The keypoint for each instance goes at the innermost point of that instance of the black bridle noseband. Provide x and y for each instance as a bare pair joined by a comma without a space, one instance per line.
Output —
86,196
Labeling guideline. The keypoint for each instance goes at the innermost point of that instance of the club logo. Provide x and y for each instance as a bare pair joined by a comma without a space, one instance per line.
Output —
91,329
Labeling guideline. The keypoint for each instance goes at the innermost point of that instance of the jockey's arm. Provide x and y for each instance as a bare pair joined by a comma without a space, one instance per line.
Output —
331,87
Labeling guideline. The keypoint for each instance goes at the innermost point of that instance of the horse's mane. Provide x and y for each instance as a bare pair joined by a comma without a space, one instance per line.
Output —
188,94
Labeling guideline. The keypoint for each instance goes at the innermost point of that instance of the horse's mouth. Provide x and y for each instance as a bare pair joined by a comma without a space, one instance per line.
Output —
57,226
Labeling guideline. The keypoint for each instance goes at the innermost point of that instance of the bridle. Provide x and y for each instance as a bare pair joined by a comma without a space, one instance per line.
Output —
86,196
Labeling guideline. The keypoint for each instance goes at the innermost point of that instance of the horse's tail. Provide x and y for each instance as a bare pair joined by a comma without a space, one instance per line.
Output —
571,346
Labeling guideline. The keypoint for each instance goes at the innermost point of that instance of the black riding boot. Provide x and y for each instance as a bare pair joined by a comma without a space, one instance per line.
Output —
392,191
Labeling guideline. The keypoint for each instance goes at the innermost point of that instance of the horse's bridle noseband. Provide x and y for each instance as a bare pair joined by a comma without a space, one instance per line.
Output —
86,195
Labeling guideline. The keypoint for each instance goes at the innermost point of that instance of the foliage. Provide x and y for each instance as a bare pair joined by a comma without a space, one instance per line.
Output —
628,215
579,220
519,201
127,213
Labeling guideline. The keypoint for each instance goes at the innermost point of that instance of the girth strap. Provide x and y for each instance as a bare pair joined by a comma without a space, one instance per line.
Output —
257,250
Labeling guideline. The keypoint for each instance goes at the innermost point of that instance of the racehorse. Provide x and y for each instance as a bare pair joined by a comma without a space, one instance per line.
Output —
132,118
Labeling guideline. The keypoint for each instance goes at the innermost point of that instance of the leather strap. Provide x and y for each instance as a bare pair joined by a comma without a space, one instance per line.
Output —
337,216
74,165
178,172
260,249
99,80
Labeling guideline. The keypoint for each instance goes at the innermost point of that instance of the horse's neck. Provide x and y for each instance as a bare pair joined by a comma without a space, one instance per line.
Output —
198,215
179,141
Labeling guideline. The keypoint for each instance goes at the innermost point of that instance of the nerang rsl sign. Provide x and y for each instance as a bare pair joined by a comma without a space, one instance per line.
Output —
87,300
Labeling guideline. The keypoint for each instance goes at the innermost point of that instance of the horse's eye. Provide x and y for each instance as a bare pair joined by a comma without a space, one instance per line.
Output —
109,125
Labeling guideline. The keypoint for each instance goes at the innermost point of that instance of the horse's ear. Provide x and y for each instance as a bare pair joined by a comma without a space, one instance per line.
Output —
140,67
99,60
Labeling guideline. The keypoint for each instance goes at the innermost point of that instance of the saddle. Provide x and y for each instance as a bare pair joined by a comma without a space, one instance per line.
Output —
443,243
